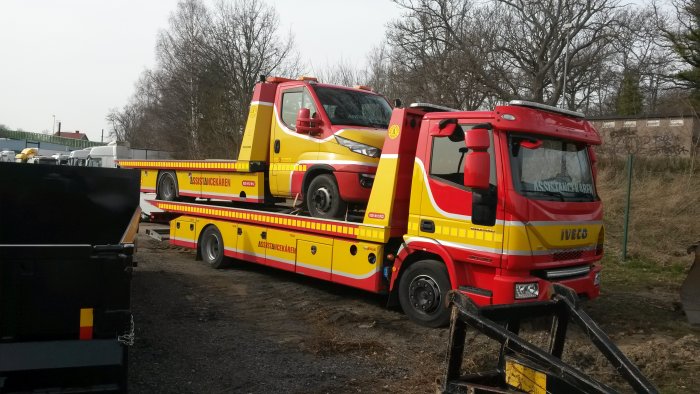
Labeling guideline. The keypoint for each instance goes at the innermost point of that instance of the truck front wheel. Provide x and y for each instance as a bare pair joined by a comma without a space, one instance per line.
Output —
323,198
211,248
422,293
167,187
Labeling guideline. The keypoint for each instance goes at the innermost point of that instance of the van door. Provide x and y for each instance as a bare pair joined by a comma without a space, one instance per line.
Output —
287,145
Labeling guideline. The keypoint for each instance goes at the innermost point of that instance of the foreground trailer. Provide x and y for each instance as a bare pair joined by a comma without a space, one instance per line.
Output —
65,319
522,365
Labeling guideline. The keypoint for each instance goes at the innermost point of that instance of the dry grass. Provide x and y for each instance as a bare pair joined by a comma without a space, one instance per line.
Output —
665,208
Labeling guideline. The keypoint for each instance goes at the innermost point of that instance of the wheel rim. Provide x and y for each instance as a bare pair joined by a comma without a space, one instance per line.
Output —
322,199
212,248
424,294
168,187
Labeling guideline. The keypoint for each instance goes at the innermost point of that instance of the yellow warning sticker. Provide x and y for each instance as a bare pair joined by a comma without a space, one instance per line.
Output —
394,131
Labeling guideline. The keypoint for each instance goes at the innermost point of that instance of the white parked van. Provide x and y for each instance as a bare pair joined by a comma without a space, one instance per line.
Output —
7,155
105,156
79,157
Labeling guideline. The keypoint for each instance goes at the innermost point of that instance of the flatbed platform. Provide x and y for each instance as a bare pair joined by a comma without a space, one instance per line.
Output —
271,218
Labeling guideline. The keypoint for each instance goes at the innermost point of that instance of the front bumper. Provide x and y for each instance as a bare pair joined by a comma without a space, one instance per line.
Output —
351,187
503,288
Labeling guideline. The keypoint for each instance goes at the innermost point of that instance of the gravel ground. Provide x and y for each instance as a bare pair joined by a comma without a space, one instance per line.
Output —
252,329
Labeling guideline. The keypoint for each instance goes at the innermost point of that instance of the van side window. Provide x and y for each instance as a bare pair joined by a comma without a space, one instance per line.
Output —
292,101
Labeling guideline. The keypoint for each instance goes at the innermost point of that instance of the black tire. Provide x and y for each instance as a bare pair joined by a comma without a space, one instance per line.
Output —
211,248
166,189
422,293
323,198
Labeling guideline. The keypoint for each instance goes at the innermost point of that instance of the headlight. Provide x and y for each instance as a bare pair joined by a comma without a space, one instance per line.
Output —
596,278
357,147
526,290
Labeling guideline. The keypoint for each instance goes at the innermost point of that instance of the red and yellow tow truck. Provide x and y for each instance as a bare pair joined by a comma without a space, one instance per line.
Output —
302,138
494,204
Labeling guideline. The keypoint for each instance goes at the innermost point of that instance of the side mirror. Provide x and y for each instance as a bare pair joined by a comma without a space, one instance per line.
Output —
307,124
477,164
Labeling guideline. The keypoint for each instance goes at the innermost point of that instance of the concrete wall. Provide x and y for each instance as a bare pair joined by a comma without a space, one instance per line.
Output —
659,137
18,145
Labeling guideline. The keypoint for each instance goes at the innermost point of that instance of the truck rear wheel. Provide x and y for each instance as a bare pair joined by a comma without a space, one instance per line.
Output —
323,198
167,187
211,248
422,293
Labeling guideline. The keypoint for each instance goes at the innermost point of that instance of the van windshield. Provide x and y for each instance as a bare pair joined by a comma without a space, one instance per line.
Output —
551,169
350,107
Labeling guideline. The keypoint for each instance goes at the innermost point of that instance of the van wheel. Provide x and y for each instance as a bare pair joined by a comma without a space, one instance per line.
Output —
167,187
323,198
422,293
211,248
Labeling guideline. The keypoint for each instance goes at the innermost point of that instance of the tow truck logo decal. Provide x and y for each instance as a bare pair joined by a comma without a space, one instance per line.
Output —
278,247
574,233
209,181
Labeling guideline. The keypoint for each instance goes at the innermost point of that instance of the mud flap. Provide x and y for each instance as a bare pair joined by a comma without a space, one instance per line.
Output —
690,290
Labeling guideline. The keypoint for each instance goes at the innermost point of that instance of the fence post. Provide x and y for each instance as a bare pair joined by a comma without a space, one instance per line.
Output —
625,230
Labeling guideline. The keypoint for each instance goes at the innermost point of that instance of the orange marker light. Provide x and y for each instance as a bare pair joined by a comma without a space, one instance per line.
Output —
86,321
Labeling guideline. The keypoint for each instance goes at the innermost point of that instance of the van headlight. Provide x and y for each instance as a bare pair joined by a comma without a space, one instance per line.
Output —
357,147
596,279
524,291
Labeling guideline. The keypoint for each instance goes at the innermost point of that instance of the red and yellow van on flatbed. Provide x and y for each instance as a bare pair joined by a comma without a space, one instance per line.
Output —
302,139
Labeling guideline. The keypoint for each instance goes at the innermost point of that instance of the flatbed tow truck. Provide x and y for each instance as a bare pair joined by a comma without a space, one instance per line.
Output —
494,204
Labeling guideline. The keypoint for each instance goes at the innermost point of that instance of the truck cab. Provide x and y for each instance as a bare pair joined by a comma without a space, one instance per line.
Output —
325,144
505,201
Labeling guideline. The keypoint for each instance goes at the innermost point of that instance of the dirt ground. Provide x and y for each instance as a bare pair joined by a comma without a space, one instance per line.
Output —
252,329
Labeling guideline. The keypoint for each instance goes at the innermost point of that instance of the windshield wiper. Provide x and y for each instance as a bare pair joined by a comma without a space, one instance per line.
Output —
582,195
546,193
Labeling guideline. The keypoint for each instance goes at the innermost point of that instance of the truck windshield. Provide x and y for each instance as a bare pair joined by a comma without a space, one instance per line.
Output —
551,169
350,107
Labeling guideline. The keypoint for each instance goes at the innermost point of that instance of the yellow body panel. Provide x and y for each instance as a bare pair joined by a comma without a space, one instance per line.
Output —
256,139
293,149
456,229
250,241
356,265
379,208
280,247
149,179
185,182
286,249
541,237
316,256
184,229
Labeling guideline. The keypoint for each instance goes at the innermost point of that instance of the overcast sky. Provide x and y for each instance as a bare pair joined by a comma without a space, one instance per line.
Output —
76,59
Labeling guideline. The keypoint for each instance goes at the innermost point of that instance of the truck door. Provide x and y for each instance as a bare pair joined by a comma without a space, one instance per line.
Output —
446,204
288,147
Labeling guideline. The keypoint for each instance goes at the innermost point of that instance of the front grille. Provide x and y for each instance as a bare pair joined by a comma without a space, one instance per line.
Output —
563,273
567,255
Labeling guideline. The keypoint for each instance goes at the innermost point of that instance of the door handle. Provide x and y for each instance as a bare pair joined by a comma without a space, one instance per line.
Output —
277,146
263,235
240,231
427,226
